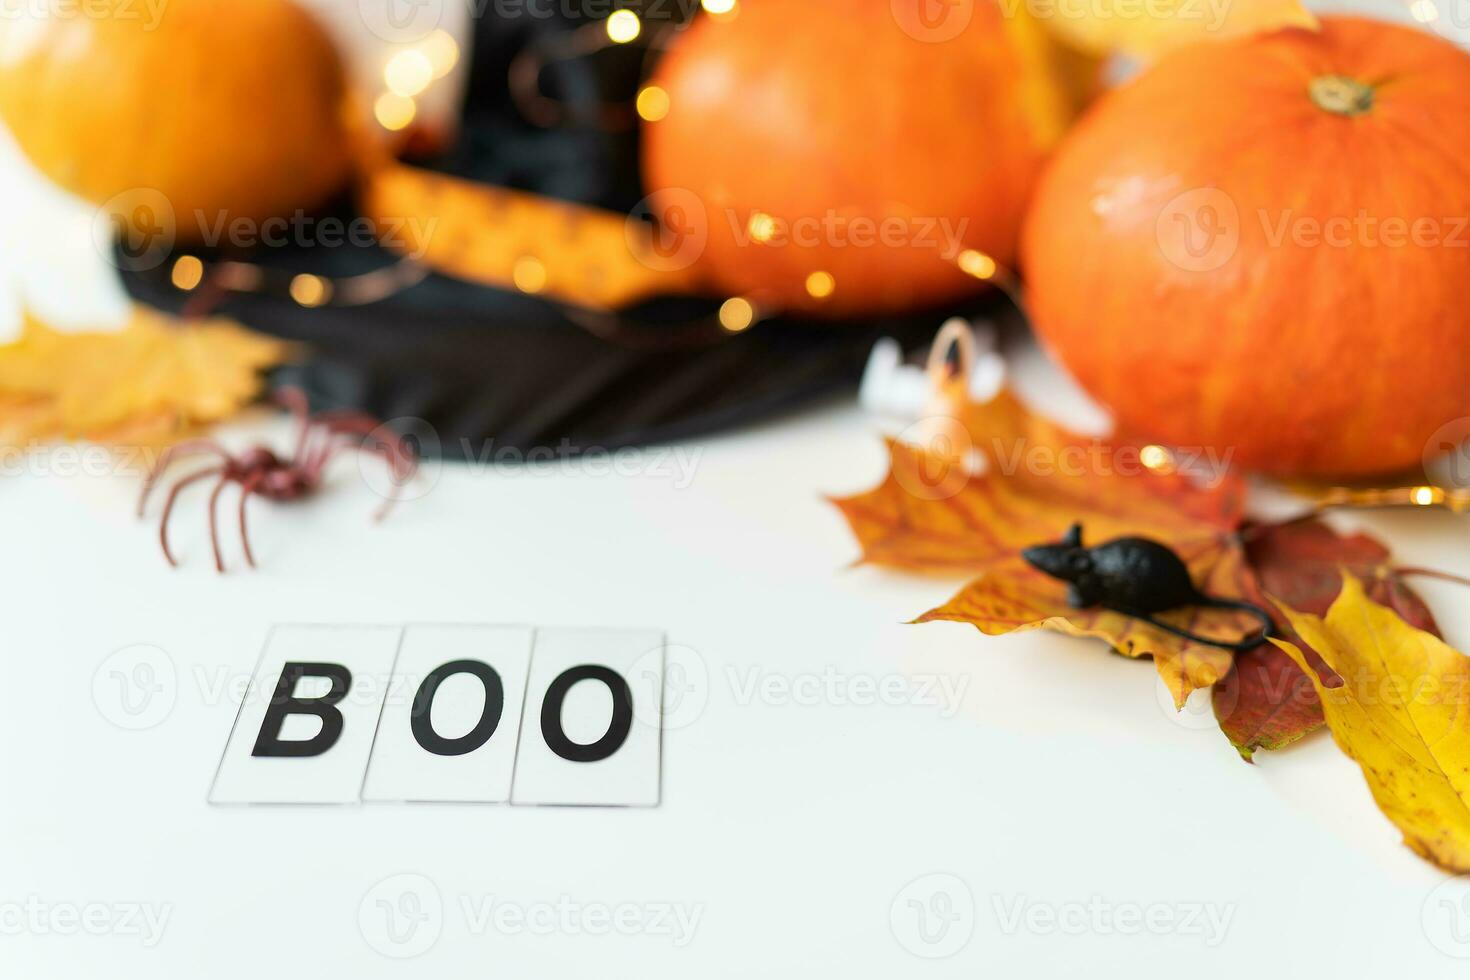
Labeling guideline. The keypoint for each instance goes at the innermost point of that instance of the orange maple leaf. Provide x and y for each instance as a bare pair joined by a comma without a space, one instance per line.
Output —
994,479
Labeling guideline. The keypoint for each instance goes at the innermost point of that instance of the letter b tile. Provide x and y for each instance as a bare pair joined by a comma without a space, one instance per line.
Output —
305,730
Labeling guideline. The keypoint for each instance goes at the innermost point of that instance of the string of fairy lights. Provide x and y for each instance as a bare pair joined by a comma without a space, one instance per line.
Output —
408,75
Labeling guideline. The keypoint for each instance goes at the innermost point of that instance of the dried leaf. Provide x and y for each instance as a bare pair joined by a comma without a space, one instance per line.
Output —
1301,563
934,513
1266,701
1015,598
1147,30
149,383
1400,713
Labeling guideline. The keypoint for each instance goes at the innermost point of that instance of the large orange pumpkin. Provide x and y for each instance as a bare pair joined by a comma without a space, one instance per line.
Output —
1263,247
838,153
227,109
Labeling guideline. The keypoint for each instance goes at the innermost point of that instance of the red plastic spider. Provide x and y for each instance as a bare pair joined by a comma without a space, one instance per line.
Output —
260,472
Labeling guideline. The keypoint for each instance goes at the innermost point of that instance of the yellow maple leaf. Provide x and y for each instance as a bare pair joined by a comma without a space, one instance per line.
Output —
153,381
1149,28
1402,713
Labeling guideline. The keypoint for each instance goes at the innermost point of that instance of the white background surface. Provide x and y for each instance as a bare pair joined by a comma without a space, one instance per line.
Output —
791,828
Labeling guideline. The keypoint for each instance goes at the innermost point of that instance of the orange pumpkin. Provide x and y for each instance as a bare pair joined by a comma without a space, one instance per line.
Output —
228,110
840,153
1262,247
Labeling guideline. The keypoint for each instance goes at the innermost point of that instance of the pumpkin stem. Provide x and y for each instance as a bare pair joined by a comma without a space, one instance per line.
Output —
1342,95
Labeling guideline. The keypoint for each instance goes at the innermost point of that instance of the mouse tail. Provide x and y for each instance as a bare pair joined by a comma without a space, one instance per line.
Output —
1238,646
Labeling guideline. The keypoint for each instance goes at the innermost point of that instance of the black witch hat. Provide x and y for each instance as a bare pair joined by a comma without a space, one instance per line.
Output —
486,366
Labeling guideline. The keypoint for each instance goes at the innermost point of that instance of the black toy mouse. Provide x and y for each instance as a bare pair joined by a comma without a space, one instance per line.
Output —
1136,577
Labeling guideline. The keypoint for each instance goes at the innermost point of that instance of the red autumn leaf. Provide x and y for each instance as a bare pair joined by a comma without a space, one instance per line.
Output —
1266,702
1301,563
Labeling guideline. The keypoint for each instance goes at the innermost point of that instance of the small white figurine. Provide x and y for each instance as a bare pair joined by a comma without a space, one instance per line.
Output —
907,392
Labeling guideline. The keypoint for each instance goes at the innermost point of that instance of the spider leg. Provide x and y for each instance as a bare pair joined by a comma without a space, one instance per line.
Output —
191,447
294,399
314,462
400,474
366,428
245,492
402,463
349,421
334,423
400,477
168,508
315,448
219,488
